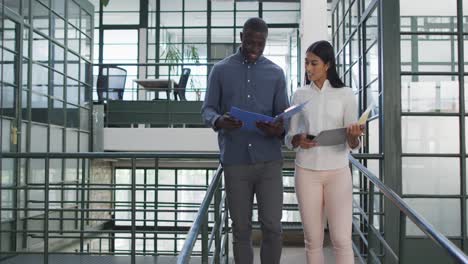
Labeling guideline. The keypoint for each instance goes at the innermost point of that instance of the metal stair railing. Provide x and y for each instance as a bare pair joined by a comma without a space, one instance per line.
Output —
219,232
370,255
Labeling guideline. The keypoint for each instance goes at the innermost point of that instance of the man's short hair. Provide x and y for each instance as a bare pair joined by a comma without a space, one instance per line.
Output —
255,24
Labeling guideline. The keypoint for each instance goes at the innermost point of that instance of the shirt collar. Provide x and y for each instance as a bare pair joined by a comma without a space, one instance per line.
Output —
242,58
325,86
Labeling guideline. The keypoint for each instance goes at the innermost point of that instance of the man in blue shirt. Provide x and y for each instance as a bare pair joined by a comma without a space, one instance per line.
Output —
252,161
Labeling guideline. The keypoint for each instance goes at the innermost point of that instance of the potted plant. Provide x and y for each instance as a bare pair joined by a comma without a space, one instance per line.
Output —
172,55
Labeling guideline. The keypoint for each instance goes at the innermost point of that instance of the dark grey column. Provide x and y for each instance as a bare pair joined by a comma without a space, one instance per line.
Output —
390,81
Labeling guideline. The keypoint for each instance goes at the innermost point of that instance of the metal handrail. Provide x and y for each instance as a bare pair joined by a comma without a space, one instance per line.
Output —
415,217
155,64
185,253
111,155
83,213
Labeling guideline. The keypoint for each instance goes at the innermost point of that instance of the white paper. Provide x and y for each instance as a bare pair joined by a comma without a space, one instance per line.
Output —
363,119
292,110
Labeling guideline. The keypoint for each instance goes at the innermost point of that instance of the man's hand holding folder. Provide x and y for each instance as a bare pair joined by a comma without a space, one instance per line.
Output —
267,125
238,118
227,122
272,129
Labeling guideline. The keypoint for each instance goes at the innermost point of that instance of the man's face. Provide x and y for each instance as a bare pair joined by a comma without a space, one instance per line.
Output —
253,44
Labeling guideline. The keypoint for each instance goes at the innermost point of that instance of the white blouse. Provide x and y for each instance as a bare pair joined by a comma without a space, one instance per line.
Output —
328,108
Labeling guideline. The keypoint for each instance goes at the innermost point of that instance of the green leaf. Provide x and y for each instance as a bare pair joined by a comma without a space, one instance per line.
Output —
104,2
192,54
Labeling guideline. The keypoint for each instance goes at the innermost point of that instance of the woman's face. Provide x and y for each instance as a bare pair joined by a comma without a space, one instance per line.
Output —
316,69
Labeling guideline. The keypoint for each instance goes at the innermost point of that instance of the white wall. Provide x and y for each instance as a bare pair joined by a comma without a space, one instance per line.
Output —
428,8
160,139
313,25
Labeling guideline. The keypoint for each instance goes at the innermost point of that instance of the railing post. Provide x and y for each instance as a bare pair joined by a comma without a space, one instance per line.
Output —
156,209
370,223
82,207
402,234
226,231
1,205
365,206
46,211
111,239
204,239
133,208
217,216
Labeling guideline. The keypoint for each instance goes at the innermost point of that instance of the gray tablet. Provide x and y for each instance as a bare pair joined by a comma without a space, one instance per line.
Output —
331,137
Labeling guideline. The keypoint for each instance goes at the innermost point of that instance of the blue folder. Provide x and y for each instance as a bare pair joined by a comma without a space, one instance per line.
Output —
249,118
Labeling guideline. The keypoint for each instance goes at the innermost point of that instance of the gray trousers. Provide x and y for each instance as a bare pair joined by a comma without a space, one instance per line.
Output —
265,180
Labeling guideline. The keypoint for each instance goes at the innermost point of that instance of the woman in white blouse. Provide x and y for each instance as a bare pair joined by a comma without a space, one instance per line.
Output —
322,176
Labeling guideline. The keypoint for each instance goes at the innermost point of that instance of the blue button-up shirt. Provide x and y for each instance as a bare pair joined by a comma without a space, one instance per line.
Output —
256,87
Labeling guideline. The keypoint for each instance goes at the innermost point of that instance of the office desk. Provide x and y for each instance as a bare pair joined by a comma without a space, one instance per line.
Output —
158,85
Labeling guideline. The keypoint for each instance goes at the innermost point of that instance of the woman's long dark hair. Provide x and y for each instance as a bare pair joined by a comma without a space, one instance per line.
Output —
306,79
324,50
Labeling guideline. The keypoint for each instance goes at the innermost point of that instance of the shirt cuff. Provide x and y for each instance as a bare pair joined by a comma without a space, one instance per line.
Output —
356,149
213,121
288,142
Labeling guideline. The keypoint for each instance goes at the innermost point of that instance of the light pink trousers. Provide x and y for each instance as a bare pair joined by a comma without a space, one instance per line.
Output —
326,192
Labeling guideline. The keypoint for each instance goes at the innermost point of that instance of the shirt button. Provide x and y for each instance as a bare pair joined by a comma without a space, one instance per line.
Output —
248,80
250,145
248,67
248,96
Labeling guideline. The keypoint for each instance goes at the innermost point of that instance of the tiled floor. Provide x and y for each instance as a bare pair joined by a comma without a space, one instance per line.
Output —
295,255
291,255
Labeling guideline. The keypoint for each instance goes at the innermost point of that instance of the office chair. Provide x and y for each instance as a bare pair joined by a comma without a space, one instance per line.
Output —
181,85
111,83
